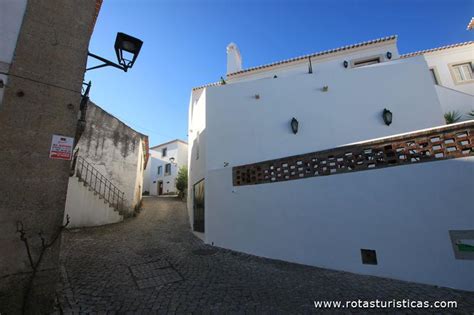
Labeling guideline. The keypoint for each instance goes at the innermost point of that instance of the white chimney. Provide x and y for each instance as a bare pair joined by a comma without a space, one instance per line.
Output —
234,60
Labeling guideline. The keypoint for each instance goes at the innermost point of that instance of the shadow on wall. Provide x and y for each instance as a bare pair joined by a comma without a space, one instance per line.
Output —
196,168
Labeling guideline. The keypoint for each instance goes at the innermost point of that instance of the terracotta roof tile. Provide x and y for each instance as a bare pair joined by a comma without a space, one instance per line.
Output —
98,5
321,53
207,85
470,26
421,52
325,52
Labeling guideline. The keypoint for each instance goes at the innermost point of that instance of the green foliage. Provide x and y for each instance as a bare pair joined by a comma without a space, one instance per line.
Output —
452,117
182,181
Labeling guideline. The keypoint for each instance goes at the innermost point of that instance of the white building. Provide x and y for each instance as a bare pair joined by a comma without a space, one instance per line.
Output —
451,70
107,176
259,184
165,161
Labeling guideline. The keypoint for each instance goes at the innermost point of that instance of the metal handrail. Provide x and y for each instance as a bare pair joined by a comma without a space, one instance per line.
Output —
102,186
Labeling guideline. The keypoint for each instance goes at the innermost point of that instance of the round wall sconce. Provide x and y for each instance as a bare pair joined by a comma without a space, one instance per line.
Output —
387,116
294,125
345,63
389,55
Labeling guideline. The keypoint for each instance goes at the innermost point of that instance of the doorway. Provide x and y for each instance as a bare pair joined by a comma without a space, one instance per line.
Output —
198,207
160,188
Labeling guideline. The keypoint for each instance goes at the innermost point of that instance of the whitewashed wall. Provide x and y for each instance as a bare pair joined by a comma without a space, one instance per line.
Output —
440,60
176,150
452,100
241,129
11,18
86,209
332,61
197,144
404,213
116,151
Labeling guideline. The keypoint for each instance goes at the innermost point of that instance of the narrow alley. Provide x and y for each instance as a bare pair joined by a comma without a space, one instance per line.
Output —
153,263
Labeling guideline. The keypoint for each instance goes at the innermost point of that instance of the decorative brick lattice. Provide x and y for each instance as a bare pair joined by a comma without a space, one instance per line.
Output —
446,142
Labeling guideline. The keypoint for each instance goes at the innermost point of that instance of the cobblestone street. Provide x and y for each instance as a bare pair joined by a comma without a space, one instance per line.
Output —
153,264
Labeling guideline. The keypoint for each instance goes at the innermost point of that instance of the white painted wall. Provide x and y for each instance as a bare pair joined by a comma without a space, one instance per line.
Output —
197,147
116,151
241,129
234,59
175,149
452,100
11,18
322,63
85,208
404,213
326,221
440,60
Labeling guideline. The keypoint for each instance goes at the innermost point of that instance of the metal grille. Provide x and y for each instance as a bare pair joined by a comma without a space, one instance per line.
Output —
446,142
98,183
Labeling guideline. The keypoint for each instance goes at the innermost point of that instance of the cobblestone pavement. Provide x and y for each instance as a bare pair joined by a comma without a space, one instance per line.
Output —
154,264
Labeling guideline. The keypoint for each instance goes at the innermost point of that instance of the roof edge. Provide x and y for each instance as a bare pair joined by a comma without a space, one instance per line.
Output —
426,51
321,53
165,143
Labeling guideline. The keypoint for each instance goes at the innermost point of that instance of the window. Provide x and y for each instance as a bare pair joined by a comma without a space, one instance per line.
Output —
168,169
365,62
433,75
462,72
160,169
164,151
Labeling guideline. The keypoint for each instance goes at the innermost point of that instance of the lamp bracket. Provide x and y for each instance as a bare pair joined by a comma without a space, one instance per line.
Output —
105,63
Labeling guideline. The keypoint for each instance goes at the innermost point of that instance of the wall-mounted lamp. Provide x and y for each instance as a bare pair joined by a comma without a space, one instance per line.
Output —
325,88
172,160
127,49
345,64
389,55
387,116
257,96
294,125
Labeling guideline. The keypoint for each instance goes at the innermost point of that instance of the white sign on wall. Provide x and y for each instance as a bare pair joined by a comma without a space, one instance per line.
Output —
61,148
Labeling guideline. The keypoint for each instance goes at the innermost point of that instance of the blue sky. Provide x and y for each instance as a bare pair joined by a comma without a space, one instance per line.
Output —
185,41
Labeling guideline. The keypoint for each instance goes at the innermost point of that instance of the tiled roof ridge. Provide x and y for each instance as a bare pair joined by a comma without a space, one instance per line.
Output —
324,52
420,52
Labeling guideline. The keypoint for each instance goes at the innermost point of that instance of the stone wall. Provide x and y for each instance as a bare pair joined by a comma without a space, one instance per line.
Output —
115,150
41,99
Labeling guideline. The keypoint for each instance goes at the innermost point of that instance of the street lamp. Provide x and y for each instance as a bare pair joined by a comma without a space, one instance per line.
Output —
127,49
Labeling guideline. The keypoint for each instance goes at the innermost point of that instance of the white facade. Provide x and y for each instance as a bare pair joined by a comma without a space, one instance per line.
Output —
169,156
11,18
326,221
455,91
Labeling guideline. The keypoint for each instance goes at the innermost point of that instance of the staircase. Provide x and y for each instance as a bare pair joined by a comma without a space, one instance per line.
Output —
90,177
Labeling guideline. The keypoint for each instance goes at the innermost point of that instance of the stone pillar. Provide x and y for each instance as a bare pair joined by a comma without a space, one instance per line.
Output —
41,99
